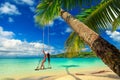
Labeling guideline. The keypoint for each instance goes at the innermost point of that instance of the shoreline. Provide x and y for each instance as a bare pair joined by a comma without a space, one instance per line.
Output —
91,73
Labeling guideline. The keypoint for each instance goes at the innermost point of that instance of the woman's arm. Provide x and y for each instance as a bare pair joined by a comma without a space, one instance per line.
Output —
43,51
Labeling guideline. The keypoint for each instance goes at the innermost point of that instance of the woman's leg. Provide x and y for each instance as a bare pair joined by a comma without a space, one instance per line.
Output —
42,65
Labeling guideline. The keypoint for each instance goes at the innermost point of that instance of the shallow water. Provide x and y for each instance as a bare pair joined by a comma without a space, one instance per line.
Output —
26,66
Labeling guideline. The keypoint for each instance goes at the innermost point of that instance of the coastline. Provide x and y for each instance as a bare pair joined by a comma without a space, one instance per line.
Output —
91,73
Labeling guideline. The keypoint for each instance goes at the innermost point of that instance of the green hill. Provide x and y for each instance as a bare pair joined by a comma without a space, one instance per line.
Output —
80,55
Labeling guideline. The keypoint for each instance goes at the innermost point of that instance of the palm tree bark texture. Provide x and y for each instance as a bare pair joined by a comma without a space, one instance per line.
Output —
109,54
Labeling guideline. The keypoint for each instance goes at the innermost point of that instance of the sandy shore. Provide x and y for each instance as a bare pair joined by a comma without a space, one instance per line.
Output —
103,73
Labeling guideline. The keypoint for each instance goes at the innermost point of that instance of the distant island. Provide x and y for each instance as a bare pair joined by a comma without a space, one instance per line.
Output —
80,55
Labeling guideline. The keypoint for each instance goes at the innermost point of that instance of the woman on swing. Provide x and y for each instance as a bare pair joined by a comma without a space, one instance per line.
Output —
46,55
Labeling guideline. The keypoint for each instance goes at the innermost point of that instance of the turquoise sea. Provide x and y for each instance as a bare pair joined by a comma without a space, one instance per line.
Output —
10,67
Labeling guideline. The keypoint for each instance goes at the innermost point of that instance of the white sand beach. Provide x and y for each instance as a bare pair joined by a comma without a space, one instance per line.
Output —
103,73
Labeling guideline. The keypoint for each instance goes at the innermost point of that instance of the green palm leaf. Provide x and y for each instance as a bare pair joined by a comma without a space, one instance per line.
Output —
99,17
116,23
48,10
73,45
70,4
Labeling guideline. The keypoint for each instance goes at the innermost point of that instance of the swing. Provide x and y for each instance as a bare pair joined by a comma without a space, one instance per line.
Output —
37,68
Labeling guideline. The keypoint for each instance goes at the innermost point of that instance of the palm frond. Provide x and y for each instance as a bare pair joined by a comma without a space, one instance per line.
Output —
100,16
73,45
86,13
47,10
70,4
116,23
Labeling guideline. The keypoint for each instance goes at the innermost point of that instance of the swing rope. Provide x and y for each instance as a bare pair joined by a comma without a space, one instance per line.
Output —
43,38
48,39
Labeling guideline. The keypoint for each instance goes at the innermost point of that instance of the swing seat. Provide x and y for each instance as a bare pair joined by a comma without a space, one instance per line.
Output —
36,69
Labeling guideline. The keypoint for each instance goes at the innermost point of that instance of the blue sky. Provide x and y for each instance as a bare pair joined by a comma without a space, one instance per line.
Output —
20,36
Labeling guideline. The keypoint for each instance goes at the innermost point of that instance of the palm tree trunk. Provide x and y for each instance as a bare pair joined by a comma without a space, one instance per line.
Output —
109,54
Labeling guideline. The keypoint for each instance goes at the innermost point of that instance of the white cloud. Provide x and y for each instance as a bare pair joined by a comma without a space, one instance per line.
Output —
28,2
114,35
10,43
59,18
9,9
32,9
14,47
10,19
84,49
68,30
5,34
50,24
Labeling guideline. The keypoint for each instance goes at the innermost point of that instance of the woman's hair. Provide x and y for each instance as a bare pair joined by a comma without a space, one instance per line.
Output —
48,55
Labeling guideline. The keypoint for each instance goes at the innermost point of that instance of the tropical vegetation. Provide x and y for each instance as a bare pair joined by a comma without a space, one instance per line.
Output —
80,55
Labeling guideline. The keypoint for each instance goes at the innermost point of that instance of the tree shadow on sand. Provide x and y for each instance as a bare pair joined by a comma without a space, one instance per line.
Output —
8,79
112,76
68,72
41,78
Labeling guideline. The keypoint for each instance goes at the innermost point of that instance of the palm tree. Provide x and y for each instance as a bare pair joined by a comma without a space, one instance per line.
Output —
107,12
